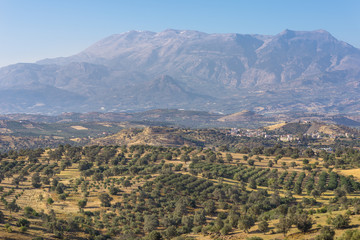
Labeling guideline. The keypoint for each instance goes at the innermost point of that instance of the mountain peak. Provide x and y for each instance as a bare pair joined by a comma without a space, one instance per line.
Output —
319,34
180,33
322,31
137,70
287,33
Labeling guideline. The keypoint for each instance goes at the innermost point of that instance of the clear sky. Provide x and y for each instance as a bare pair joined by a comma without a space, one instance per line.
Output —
31,30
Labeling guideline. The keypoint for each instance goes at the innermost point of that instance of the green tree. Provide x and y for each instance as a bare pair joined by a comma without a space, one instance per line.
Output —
127,183
270,163
82,203
341,221
171,232
252,183
150,223
50,201
12,206
251,162
23,222
8,227
218,224
233,218
60,188
351,235
2,217
326,233
188,223
263,226
209,207
303,222
114,190
246,222
105,200
226,229
284,225
309,153
29,212
297,189
36,180
185,158
154,235
180,207
199,217
97,177
315,193
229,158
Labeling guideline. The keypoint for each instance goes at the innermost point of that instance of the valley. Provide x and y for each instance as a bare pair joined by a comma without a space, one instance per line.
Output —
296,180
179,120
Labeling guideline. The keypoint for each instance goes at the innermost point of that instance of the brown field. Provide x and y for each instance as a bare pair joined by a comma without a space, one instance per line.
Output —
275,126
79,128
351,172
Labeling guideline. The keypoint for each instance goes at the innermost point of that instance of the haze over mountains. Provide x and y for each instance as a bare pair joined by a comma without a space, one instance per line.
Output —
140,70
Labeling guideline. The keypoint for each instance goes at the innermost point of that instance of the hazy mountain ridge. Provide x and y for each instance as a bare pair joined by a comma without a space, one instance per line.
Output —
293,70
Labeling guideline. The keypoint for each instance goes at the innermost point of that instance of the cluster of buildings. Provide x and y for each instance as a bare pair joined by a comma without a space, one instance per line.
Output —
248,132
283,137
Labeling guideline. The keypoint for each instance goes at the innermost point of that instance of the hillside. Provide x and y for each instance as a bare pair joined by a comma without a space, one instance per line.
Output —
243,116
163,127
312,128
148,192
154,136
306,71
26,134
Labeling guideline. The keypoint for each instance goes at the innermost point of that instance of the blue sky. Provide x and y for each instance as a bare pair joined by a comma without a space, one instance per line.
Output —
31,30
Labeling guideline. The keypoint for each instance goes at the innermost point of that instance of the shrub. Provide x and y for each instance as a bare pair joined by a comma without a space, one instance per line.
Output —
50,201
30,212
284,225
251,162
350,235
171,232
105,199
263,226
154,235
2,217
8,228
23,222
304,223
341,221
254,238
82,203
114,190
326,233
63,196
246,222
23,229
226,229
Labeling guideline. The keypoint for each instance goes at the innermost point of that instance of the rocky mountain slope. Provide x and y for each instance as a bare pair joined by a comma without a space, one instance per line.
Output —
156,136
138,70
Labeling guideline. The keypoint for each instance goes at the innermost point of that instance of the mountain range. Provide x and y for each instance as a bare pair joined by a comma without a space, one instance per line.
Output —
293,71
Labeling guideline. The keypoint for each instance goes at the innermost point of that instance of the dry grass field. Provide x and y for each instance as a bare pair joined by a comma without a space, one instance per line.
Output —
351,172
79,128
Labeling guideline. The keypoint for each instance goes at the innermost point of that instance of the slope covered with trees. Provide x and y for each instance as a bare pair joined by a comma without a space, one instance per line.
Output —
154,192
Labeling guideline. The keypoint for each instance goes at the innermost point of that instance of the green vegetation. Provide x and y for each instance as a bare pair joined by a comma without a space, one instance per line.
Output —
269,191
